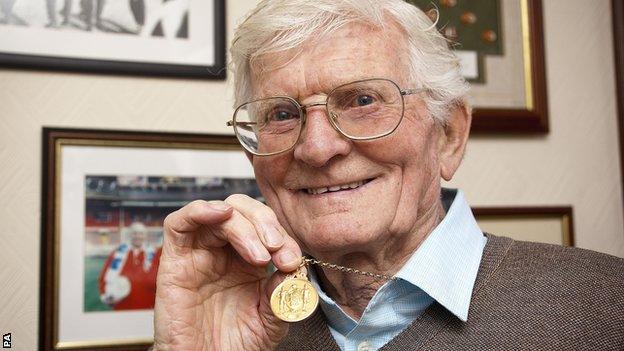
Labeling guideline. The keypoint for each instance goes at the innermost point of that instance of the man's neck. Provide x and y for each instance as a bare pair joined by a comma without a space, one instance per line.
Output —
352,291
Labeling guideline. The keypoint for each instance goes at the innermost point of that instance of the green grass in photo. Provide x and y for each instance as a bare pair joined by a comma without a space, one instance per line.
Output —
92,302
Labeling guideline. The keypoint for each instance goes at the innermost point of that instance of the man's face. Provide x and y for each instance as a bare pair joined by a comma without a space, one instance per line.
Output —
137,238
400,172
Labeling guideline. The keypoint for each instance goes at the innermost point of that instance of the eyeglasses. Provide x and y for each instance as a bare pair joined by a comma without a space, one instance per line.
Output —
361,110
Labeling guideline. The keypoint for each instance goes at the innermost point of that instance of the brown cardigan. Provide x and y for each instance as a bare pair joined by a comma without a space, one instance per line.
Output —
527,296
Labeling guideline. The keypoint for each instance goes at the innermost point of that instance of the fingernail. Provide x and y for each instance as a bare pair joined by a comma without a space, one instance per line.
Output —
260,253
273,237
288,257
220,206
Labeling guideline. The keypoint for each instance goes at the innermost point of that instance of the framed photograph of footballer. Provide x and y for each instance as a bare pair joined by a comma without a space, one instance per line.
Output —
183,38
105,195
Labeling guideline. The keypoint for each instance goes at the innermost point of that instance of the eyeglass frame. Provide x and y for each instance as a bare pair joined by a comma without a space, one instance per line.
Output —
303,113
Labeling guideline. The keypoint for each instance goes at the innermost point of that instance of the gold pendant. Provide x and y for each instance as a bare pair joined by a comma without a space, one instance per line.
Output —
294,299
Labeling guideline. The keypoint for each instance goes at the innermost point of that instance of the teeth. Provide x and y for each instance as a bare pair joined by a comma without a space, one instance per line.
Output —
353,185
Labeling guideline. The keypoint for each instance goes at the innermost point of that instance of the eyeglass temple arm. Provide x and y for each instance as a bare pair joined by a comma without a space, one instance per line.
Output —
243,125
410,91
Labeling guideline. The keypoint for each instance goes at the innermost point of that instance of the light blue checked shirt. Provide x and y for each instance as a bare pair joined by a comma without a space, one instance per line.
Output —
443,269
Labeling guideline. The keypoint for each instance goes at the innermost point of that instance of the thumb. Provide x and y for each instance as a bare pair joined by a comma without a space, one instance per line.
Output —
275,327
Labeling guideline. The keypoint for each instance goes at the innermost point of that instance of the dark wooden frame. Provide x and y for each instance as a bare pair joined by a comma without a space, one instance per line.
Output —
522,121
617,12
51,138
530,212
214,72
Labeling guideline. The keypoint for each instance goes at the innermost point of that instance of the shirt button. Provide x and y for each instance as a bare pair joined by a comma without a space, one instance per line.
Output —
364,346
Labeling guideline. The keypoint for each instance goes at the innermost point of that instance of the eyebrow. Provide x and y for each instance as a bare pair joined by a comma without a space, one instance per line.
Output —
273,93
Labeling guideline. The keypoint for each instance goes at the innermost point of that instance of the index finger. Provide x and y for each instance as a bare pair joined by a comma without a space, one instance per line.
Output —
192,216
284,250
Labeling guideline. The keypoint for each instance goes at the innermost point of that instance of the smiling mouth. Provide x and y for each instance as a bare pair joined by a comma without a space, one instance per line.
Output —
334,188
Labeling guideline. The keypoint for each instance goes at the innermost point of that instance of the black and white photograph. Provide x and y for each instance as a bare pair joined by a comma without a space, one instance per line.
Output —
145,18
157,37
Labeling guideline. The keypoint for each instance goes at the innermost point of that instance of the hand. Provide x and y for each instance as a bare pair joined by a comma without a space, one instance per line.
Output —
108,299
213,288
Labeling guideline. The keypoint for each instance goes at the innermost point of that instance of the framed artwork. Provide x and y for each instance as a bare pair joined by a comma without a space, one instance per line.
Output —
184,38
105,195
501,48
551,225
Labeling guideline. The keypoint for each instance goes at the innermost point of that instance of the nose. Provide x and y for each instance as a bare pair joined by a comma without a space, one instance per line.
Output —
319,141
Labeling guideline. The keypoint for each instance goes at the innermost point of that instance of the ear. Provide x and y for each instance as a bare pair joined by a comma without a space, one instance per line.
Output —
453,140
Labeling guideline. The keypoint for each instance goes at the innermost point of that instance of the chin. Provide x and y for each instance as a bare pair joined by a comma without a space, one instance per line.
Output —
336,239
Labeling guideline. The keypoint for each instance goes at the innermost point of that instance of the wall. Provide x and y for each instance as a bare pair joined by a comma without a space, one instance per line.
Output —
577,163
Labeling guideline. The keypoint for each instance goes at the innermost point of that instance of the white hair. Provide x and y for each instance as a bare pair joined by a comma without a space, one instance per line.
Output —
278,25
138,227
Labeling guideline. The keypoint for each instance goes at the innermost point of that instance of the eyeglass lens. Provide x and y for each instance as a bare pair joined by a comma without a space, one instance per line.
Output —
359,110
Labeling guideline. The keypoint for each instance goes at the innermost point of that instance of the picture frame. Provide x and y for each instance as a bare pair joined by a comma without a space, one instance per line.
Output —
551,225
97,185
532,118
177,38
500,45
617,12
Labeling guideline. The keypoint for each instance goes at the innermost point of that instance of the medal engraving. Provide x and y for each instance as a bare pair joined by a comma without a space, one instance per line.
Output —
294,299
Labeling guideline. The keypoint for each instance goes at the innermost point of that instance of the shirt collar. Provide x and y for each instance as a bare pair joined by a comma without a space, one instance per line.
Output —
445,265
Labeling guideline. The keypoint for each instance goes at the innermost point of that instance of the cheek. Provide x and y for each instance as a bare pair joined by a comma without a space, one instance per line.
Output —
416,153
412,147
266,175
419,135
270,172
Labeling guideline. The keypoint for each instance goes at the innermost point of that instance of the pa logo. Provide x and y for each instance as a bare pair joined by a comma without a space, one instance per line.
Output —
6,341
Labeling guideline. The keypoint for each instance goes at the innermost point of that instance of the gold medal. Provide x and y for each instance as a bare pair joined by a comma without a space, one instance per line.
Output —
294,299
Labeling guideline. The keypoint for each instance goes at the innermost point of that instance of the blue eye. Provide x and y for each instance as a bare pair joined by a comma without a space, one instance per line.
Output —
282,116
363,100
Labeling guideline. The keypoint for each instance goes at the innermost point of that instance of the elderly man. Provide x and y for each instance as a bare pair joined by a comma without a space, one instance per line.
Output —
128,278
351,112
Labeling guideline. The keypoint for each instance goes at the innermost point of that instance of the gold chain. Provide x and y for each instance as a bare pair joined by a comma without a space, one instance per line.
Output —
345,269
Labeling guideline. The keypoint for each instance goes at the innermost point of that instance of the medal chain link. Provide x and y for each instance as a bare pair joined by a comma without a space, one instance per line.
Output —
345,269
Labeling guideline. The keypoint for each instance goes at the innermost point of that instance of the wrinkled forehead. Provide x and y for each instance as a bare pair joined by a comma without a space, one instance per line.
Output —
355,51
